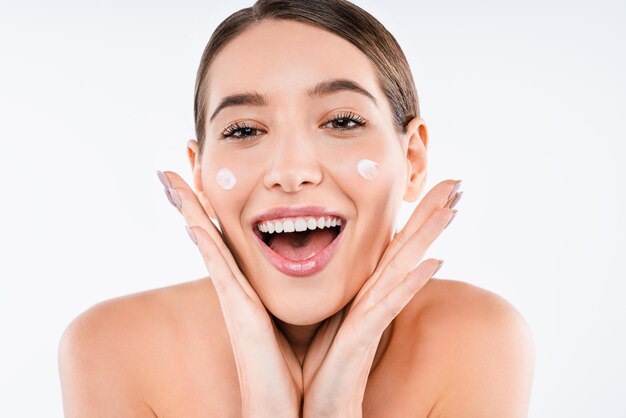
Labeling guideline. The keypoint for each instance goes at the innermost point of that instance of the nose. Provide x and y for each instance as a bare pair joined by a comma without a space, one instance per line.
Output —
294,164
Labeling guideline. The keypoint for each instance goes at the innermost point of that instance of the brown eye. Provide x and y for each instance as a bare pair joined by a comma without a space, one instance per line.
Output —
241,132
345,121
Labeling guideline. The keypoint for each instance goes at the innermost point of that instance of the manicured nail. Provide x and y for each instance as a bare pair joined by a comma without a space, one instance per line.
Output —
173,197
454,189
438,267
455,200
191,235
163,179
453,215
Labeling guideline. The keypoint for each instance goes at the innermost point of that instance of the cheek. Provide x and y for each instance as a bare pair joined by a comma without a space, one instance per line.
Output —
370,170
228,184
225,178
372,179
375,186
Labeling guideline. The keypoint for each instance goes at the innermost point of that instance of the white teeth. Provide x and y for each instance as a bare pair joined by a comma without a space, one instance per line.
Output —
288,226
297,224
301,225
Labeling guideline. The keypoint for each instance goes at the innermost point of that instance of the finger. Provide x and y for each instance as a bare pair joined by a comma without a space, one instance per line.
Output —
191,208
244,313
349,360
406,258
195,215
444,194
222,277
374,321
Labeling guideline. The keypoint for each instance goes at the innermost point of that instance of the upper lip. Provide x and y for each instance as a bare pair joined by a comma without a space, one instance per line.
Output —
295,211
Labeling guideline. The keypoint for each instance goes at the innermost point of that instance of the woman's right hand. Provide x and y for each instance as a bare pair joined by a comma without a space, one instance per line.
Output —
270,375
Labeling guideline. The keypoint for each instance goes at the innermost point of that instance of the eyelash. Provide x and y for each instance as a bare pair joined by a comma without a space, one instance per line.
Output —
357,120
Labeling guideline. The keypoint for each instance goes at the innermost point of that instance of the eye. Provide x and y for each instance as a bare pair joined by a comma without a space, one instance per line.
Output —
345,121
241,131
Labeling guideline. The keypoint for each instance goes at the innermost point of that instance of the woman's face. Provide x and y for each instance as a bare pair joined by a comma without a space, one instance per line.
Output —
289,154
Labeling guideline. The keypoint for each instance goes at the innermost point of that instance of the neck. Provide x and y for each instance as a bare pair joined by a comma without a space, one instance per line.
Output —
301,336
298,336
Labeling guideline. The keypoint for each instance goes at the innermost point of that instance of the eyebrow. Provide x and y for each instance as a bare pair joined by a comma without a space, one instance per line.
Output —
321,89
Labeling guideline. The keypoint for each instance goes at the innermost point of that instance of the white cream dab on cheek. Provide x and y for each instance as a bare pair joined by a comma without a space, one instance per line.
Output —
368,169
226,179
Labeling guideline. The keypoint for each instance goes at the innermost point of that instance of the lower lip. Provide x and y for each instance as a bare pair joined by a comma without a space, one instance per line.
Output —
305,267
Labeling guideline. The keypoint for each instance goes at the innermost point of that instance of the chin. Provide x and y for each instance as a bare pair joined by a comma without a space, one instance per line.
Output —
303,317
302,313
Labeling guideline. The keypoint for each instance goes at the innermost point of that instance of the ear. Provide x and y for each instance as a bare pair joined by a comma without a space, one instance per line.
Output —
193,153
416,140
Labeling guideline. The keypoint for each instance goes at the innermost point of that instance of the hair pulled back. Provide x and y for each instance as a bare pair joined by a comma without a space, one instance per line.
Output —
336,16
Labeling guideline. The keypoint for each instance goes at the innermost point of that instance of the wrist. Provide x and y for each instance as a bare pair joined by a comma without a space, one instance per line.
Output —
256,412
324,397
264,404
326,408
347,412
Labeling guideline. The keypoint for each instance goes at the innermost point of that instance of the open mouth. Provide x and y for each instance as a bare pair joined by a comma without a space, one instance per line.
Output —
300,245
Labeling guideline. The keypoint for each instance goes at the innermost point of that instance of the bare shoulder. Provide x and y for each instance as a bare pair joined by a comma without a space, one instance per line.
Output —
113,354
139,317
135,317
484,345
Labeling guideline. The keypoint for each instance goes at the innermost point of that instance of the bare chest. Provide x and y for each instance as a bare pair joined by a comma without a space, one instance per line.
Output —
196,374
206,387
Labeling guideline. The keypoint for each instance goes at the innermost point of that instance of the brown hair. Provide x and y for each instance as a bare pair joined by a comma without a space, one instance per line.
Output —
336,16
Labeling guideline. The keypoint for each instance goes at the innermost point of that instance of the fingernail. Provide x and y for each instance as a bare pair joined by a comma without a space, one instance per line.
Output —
191,235
455,200
454,189
438,267
163,179
173,197
453,215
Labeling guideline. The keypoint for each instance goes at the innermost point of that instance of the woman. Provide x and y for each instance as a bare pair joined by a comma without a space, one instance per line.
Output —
308,139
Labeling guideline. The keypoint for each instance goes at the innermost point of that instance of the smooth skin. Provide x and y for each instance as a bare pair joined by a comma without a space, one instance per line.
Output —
336,385
479,346
378,338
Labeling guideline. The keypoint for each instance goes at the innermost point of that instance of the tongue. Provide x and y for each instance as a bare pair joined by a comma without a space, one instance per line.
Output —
302,245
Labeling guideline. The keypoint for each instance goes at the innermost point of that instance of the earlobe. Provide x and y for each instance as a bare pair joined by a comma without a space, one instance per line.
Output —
416,158
192,152
196,169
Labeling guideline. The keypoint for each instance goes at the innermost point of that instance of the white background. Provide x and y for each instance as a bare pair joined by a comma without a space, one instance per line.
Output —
524,101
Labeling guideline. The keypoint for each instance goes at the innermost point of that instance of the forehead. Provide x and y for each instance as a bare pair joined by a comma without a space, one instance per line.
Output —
283,59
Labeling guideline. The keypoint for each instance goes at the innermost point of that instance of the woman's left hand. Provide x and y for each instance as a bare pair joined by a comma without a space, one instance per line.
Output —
339,359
